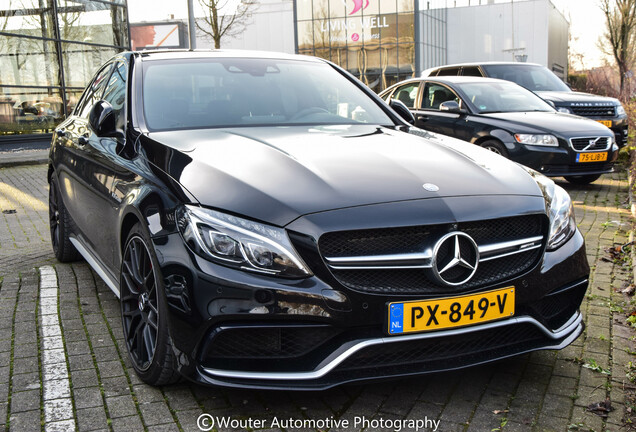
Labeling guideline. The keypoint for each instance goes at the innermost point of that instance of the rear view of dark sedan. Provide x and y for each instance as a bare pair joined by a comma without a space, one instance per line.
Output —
268,222
509,120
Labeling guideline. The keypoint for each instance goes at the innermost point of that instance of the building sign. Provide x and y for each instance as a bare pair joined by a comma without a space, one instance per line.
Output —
157,35
354,27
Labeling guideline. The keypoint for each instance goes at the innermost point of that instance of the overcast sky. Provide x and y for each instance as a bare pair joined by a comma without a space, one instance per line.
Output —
586,21
587,24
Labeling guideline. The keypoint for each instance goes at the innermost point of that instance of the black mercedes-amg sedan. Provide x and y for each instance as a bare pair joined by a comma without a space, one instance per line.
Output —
267,221
509,120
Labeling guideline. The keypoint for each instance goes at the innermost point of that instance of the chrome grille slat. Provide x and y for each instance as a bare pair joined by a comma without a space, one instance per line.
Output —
423,260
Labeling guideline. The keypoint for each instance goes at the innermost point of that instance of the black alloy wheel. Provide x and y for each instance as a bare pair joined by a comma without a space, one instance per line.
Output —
143,311
59,224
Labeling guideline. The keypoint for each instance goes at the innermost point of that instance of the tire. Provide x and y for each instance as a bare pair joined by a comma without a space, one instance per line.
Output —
59,225
495,147
583,179
144,311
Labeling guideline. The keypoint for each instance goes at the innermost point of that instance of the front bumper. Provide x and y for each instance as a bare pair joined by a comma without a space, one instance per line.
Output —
408,355
559,161
233,328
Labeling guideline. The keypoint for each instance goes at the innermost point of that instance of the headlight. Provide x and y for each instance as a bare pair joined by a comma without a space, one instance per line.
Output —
560,210
239,243
562,222
564,110
540,140
620,111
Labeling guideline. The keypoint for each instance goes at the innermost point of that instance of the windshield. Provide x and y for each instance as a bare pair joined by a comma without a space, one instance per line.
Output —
220,92
502,96
532,77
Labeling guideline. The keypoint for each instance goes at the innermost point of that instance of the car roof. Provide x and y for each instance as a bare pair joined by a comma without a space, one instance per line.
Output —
451,80
510,63
464,79
170,54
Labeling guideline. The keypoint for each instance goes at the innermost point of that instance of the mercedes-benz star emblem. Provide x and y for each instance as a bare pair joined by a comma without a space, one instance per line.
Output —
430,187
455,259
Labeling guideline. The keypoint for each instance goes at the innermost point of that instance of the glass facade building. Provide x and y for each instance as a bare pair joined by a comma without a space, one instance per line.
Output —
49,50
380,42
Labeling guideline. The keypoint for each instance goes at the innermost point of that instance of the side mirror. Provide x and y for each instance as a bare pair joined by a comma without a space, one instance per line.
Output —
550,103
102,119
402,110
451,107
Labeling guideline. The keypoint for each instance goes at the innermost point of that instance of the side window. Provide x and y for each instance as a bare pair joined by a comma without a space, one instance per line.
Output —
115,92
407,94
435,94
454,71
471,71
93,92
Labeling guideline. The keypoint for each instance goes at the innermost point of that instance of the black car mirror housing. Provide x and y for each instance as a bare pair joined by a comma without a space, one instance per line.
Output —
402,110
102,119
450,106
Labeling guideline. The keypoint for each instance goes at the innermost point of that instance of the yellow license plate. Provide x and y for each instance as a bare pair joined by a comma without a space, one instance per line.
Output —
425,315
607,123
591,157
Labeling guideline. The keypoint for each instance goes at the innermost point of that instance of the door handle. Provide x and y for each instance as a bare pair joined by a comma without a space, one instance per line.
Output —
422,117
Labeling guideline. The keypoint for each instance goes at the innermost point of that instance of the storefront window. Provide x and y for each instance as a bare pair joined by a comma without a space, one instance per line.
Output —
29,110
369,38
49,50
28,62
81,61
92,22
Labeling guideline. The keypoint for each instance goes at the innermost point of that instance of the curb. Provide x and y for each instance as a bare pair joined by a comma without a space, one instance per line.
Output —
632,202
38,157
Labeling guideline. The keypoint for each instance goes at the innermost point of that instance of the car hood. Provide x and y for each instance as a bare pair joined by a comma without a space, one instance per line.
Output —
570,97
277,174
566,125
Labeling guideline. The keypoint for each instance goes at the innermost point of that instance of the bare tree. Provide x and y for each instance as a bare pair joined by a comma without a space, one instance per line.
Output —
221,23
620,18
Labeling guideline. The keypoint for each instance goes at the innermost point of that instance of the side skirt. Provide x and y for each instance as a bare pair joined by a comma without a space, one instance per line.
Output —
93,261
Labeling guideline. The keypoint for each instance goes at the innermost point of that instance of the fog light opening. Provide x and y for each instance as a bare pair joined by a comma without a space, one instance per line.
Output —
263,296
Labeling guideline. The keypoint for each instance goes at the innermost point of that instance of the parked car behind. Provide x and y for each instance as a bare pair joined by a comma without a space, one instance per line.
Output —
548,86
509,120
268,221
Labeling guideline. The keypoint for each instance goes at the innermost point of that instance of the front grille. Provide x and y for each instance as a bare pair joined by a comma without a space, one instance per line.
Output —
467,348
419,238
591,143
268,342
414,239
556,308
374,241
587,111
576,169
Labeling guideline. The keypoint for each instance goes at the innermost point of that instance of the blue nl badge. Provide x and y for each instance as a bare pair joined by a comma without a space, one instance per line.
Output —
578,156
396,318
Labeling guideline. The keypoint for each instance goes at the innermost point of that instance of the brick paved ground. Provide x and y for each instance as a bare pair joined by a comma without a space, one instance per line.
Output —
63,363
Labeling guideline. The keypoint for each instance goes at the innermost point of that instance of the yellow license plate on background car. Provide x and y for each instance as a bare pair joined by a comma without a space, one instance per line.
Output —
591,157
607,123
424,315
